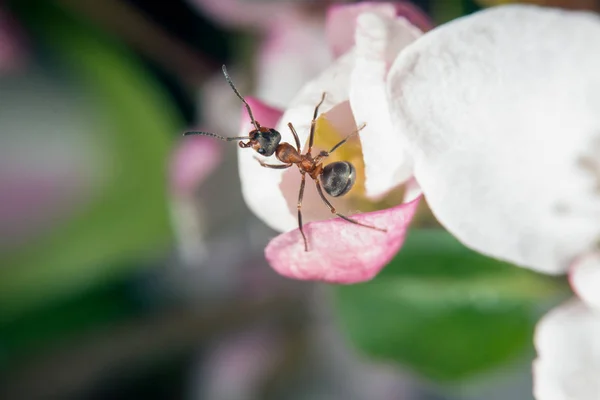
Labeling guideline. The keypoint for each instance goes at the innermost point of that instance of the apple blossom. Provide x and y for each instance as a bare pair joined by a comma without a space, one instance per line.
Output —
355,86
499,113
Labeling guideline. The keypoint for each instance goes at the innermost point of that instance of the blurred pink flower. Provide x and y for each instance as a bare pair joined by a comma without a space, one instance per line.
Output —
355,85
12,48
43,186
240,366
192,161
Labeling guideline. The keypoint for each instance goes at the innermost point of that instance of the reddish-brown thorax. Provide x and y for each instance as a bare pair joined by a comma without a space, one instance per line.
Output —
286,153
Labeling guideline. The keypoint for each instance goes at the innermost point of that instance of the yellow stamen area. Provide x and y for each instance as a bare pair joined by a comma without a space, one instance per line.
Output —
327,136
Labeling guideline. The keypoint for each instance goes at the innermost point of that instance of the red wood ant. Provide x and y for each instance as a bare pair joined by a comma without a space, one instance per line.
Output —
336,178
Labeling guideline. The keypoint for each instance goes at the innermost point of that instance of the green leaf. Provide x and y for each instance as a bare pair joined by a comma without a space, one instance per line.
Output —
129,220
445,311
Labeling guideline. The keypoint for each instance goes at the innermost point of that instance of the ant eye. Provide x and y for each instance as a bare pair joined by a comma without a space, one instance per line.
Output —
260,151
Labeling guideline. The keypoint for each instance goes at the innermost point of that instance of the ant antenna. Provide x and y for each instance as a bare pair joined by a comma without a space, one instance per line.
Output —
214,135
241,98
360,128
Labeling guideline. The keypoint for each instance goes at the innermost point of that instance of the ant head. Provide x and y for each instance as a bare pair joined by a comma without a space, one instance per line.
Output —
264,141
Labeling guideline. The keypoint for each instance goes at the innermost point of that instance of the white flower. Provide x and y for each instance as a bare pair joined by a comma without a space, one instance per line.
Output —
366,37
500,114
499,111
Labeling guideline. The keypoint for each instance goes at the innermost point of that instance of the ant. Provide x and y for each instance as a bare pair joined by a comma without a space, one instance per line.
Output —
336,178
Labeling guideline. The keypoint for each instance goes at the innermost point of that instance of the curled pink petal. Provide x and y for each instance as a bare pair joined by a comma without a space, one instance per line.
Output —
341,21
193,160
414,15
341,252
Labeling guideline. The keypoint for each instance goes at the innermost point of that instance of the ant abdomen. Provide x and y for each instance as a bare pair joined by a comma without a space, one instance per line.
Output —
338,178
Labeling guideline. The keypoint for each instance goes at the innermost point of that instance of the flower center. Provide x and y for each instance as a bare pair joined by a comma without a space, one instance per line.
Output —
331,128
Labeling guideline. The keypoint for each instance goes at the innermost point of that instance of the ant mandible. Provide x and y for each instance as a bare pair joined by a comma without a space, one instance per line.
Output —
336,178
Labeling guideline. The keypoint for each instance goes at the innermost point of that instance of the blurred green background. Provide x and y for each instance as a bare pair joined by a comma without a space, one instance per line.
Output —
96,300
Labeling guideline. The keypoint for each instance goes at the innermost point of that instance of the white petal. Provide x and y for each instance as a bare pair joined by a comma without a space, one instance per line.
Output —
378,41
568,346
500,110
585,279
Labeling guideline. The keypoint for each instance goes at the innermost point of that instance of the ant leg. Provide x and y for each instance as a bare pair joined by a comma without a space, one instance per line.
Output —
333,211
313,124
300,196
325,154
273,166
296,138
334,148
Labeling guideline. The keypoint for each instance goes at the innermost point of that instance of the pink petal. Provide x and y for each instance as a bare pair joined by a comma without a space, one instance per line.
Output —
414,15
193,160
263,113
340,252
341,21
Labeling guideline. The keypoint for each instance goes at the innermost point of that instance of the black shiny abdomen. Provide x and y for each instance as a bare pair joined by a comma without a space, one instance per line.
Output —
268,141
338,178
